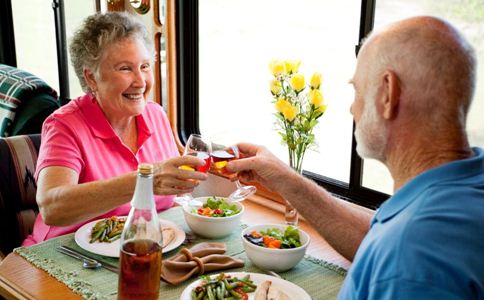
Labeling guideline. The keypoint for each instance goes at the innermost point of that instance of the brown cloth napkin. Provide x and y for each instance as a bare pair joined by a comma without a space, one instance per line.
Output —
201,258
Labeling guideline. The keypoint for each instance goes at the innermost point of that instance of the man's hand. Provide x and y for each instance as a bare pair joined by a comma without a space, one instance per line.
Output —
259,164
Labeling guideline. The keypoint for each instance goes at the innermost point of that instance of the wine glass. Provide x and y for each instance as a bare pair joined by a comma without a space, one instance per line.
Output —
221,154
200,147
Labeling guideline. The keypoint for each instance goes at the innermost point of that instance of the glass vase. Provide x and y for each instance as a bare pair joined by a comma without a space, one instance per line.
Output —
291,216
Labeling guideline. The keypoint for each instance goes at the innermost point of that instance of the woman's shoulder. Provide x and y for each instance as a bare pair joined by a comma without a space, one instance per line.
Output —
154,112
72,108
154,107
69,115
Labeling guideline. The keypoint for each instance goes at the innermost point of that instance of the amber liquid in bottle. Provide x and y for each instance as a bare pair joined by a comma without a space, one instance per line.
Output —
141,240
140,263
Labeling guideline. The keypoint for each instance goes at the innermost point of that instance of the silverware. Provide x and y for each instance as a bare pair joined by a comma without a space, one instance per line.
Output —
87,261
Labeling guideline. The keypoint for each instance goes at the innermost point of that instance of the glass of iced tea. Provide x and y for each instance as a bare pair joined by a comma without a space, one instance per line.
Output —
200,147
221,155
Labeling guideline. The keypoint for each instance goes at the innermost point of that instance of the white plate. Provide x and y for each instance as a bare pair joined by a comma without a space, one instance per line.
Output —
83,235
291,290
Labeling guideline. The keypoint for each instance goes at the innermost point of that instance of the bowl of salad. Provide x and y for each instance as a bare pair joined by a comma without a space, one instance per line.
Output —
275,247
217,218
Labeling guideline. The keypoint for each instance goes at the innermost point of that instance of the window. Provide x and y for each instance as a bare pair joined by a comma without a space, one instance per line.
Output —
35,38
228,46
236,44
75,12
230,43
35,45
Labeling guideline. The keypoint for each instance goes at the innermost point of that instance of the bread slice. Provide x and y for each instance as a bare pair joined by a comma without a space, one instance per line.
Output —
275,293
168,236
262,290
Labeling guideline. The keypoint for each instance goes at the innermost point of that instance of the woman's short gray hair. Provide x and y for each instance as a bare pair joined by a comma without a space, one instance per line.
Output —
97,32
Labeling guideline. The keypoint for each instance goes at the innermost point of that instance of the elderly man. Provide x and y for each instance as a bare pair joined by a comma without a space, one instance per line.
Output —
414,83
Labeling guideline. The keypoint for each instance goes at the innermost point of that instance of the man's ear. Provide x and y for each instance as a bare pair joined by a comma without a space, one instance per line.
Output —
391,95
90,79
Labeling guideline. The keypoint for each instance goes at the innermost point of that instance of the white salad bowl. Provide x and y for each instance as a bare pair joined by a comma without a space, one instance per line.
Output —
278,260
211,227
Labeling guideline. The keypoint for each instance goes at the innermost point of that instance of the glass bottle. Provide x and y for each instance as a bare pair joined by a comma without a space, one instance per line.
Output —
141,240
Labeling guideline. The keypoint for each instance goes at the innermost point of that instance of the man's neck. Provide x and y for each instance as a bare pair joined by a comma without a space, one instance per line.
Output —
408,160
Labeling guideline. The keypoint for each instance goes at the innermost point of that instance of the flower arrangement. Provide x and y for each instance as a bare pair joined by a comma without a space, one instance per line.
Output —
298,108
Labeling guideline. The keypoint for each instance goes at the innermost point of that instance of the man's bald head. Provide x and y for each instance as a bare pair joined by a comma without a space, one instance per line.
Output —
433,62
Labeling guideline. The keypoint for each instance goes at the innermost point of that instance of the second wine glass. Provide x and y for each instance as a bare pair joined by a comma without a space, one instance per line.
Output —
221,155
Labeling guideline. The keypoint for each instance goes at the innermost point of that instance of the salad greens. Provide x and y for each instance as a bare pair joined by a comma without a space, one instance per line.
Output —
275,238
216,207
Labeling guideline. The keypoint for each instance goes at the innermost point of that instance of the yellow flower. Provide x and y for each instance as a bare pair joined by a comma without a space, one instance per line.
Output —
276,87
316,98
288,110
281,104
315,81
297,82
277,67
292,66
322,108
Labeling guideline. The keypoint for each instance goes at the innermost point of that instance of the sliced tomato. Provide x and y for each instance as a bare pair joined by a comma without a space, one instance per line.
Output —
275,244
268,240
242,293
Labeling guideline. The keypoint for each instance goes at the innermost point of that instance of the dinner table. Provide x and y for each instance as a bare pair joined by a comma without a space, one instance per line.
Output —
42,272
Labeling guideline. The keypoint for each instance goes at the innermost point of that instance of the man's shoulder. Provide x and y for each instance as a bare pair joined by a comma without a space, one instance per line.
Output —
421,250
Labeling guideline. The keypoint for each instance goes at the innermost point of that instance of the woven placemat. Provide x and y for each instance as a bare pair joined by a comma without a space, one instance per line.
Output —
320,279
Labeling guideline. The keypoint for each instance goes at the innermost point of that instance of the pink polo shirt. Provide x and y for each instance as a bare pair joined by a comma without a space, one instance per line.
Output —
79,136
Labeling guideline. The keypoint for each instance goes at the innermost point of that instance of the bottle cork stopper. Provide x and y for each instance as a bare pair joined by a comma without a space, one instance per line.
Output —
145,169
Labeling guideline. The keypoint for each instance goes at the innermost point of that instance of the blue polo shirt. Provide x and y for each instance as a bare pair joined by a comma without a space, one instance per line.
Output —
427,241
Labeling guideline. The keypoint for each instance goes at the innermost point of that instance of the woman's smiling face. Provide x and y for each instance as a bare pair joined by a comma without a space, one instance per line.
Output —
124,79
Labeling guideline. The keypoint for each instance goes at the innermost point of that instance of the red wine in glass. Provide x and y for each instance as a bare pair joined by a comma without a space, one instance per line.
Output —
206,157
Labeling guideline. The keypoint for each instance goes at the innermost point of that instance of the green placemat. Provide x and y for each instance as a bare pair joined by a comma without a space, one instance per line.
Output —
320,279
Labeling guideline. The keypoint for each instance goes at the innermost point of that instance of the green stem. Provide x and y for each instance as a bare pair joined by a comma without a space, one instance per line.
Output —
289,142
284,92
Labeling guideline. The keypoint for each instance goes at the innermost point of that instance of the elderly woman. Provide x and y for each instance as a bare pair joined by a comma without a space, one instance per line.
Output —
92,146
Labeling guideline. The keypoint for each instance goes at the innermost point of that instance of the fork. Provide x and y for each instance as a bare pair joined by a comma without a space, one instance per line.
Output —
270,272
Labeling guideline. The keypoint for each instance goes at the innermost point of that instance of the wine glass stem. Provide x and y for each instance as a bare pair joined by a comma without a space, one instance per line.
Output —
184,199
238,184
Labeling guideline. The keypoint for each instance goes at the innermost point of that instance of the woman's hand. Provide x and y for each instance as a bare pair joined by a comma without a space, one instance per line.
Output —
170,179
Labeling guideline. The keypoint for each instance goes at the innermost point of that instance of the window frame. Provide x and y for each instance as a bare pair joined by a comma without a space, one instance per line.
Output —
188,106
62,58
7,38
